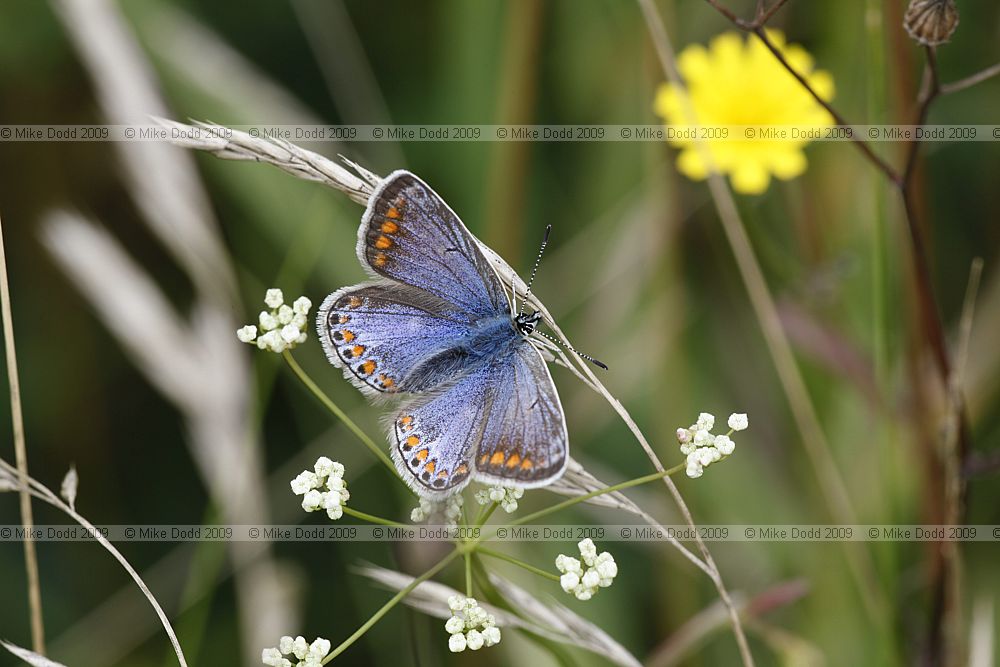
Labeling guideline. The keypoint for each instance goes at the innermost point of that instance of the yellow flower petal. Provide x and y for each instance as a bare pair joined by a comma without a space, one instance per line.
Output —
750,178
691,164
788,164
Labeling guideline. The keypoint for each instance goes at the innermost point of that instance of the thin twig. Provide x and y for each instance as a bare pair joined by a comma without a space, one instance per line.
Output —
21,458
862,145
969,81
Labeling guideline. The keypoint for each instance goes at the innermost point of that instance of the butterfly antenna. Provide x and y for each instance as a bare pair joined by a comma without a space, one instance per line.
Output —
572,349
534,269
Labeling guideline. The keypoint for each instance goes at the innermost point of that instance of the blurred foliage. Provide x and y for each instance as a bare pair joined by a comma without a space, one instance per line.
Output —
639,274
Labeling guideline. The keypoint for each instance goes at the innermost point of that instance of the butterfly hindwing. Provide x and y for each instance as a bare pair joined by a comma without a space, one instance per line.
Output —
434,436
379,333
525,442
410,235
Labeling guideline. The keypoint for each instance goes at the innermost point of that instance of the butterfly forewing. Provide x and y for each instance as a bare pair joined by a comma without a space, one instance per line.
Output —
379,333
410,235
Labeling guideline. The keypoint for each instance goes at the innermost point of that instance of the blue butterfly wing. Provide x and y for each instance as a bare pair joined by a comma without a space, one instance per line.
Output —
435,436
525,442
378,334
410,235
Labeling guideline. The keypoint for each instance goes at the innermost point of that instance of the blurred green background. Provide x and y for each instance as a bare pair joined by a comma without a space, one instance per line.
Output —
638,273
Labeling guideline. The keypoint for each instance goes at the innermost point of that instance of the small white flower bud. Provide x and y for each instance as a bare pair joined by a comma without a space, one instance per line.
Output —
703,439
302,305
267,321
738,421
335,512
247,334
491,635
456,603
474,640
590,579
683,435
311,502
300,321
290,334
285,645
335,483
706,421
456,643
271,656
497,493
305,481
299,647
455,624
706,455
323,466
724,445
584,594
417,515
587,550
285,314
274,298
694,470
569,581
319,648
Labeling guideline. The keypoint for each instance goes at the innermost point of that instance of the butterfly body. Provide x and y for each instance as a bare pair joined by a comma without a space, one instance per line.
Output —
437,330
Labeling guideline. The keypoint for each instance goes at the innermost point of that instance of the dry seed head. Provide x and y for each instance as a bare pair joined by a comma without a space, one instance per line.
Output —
931,22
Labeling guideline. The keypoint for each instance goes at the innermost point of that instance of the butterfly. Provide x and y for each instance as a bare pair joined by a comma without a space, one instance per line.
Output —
436,329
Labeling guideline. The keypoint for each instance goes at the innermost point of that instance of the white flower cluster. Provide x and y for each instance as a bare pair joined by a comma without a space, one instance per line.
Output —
304,654
451,508
702,448
283,327
470,626
323,488
584,584
506,496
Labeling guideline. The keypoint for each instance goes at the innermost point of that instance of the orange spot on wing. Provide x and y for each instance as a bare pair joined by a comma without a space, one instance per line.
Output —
344,319
497,458
422,454
358,350
379,260
383,242
368,367
462,469
354,301
513,460
483,459
527,464
442,474
412,441
386,380
430,467
393,212
348,335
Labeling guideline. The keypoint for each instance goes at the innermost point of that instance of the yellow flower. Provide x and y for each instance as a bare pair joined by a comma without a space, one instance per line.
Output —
741,83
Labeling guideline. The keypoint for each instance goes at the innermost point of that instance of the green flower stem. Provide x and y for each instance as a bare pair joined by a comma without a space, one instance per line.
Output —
338,413
652,477
468,574
384,609
519,563
485,515
371,518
